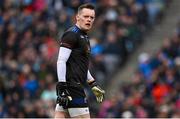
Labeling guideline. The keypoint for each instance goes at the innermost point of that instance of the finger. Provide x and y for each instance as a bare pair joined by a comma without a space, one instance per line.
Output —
62,101
66,102
102,91
70,98
97,98
58,100
102,98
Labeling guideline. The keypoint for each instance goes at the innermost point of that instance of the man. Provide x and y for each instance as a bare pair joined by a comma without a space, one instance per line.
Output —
72,68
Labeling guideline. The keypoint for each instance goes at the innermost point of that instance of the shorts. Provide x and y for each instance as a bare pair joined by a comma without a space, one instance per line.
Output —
79,99
78,105
73,111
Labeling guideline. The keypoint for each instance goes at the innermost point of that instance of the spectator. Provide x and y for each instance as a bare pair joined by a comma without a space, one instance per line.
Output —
154,90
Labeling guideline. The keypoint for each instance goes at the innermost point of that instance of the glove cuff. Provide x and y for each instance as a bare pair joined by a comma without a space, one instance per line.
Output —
61,85
92,84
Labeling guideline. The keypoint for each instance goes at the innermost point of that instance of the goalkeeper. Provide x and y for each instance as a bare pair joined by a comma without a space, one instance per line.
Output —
72,68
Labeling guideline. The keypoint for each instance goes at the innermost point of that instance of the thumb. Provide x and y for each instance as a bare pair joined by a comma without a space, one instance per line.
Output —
70,98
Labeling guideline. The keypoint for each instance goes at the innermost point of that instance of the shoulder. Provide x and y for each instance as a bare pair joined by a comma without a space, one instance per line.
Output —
69,34
71,31
69,39
74,29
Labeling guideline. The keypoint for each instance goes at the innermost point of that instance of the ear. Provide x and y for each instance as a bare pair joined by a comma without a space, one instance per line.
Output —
77,17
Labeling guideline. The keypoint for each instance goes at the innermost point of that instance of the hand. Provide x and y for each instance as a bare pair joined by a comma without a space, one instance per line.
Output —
63,96
98,92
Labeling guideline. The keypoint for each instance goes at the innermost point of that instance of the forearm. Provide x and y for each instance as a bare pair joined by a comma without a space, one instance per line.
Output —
61,71
64,54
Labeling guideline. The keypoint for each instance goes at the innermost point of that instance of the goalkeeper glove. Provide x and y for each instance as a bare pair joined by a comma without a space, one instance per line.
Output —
98,92
63,96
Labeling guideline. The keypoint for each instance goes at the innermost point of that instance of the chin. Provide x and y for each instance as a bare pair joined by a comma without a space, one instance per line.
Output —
86,29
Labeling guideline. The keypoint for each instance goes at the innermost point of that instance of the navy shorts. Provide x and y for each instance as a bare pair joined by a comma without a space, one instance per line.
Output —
78,97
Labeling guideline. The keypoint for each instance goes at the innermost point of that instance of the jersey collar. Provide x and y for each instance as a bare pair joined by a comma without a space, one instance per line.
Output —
80,30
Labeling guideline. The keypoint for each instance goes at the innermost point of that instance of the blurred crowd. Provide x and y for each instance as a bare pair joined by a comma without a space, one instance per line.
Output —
154,91
29,35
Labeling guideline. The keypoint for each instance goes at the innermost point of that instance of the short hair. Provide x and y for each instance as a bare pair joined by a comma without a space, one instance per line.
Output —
86,5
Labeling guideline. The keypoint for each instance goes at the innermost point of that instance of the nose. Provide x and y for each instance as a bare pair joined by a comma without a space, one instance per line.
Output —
90,19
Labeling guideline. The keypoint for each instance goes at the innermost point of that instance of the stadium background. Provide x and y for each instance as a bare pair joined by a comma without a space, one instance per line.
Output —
29,34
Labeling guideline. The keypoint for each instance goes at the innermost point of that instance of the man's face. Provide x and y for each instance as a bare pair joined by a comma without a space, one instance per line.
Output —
85,19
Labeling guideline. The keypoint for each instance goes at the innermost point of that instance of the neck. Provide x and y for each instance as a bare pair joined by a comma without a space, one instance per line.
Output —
80,27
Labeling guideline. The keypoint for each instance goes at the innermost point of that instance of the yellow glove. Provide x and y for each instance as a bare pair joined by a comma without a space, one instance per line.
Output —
98,92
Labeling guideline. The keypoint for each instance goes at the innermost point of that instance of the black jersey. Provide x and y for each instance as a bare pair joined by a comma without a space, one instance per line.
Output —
77,64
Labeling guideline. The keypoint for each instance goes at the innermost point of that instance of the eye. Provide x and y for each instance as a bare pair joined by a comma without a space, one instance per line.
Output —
92,17
86,16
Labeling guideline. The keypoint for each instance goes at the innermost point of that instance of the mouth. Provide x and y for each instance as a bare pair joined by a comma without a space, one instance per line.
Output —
88,24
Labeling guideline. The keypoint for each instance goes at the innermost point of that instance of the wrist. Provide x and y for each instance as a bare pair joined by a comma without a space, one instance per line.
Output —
92,83
62,85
